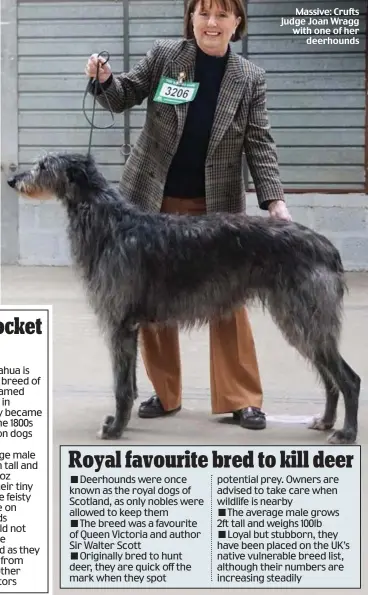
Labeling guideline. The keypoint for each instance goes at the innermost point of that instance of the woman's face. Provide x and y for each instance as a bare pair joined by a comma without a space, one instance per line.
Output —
213,27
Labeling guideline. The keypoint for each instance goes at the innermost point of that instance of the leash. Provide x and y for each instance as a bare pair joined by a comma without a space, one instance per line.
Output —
106,55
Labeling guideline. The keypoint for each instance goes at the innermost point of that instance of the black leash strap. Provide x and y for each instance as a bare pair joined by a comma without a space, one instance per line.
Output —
106,55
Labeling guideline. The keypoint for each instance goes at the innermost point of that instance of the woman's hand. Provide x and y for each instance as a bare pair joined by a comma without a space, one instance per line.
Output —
278,209
104,70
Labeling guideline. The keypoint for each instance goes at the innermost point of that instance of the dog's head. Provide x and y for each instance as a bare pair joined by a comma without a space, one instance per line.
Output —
54,175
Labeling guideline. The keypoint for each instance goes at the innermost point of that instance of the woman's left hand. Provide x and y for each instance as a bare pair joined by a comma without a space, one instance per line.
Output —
278,209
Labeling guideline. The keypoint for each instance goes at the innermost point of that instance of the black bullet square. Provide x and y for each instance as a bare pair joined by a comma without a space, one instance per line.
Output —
222,533
74,556
222,512
74,479
74,523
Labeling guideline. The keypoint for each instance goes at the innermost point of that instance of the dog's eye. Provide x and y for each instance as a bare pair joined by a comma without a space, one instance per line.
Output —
42,165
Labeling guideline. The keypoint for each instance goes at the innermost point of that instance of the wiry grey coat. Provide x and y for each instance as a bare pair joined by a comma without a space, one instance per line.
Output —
241,125
144,267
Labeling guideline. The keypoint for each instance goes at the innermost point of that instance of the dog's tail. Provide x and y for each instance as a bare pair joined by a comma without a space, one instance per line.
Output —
330,257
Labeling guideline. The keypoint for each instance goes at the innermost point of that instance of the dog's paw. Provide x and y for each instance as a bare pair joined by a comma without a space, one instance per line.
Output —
110,430
342,437
318,423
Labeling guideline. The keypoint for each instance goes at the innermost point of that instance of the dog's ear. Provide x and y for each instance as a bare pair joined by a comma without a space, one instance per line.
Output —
77,174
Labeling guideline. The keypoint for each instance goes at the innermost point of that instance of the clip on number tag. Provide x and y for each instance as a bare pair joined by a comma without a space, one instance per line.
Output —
171,91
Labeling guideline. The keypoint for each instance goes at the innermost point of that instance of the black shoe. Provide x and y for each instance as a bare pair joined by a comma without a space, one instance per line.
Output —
251,418
153,408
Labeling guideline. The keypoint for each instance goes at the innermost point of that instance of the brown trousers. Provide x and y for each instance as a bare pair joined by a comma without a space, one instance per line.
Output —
234,374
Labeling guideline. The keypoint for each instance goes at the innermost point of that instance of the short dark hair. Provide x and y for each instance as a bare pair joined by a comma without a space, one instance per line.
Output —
236,6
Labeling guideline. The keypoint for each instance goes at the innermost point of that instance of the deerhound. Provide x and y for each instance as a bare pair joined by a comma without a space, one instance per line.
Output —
140,268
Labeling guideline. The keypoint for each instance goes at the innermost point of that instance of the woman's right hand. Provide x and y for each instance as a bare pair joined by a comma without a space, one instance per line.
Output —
104,70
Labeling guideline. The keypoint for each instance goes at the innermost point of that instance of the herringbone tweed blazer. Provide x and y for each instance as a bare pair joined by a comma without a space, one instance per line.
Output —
240,125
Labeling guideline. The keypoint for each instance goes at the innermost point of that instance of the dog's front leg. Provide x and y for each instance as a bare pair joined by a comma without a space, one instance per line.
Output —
123,346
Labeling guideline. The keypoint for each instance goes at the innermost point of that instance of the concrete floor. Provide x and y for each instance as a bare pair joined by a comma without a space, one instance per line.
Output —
82,383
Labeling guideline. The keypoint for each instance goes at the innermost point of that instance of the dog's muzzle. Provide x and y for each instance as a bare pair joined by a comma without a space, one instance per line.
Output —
12,182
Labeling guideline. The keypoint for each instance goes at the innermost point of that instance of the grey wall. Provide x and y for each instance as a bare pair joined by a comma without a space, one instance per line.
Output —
52,54
316,97
52,51
315,100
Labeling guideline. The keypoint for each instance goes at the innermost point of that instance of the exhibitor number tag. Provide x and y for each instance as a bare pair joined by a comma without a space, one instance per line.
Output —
171,91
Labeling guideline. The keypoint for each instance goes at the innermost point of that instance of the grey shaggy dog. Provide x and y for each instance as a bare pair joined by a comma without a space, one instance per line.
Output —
141,268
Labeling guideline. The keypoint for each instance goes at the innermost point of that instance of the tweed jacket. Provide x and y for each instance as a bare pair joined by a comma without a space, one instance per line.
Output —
240,126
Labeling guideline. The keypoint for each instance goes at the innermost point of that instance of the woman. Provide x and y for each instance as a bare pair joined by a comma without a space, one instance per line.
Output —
188,159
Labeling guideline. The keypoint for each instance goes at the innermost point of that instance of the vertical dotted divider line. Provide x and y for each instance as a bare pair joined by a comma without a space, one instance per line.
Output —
211,527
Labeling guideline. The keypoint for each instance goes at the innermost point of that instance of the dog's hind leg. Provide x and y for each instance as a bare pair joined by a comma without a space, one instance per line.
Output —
338,375
349,383
327,420
309,316
123,347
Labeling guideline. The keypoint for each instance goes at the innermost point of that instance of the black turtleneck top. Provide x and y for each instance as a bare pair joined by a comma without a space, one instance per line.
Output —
186,176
